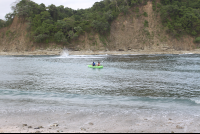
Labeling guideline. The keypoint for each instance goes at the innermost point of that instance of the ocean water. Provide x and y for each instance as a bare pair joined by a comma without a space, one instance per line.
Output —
166,85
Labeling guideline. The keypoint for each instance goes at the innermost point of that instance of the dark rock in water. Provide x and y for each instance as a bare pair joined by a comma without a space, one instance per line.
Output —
29,126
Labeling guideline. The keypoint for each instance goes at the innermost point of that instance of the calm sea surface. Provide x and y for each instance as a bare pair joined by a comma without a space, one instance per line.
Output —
127,83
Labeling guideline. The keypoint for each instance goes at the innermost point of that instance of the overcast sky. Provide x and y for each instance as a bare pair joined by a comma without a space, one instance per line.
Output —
5,5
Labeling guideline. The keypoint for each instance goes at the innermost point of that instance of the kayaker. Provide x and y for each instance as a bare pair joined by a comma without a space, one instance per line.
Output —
93,64
98,63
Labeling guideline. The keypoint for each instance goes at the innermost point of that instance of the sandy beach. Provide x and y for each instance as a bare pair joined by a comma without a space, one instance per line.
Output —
89,52
85,122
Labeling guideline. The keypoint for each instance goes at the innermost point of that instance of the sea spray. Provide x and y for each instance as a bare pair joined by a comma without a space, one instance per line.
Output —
64,53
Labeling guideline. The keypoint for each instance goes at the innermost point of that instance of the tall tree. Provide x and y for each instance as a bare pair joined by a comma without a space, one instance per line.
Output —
53,12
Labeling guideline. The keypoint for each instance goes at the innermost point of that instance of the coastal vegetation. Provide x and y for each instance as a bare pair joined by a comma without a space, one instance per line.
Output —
181,17
62,24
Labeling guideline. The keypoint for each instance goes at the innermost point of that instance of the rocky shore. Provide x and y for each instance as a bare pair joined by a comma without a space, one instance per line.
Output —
89,52
83,122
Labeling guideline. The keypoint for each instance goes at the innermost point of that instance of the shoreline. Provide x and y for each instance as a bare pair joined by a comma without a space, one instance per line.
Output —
89,52
88,122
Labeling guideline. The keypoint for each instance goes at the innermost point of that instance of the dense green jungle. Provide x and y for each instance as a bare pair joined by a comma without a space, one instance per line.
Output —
62,24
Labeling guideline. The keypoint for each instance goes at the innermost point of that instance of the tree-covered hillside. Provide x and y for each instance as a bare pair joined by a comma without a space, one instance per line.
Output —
62,24
181,17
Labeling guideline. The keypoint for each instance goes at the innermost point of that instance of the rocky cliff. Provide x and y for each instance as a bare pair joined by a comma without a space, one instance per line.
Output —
128,33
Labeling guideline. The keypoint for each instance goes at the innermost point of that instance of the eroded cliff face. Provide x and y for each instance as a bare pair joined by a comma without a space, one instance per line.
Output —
128,33
13,38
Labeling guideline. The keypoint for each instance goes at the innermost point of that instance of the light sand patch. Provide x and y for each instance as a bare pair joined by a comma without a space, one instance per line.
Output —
84,122
132,52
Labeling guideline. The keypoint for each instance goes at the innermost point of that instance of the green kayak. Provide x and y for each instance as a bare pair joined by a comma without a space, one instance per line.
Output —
95,66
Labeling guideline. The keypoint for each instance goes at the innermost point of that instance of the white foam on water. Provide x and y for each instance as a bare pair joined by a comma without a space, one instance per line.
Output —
64,54
188,53
197,101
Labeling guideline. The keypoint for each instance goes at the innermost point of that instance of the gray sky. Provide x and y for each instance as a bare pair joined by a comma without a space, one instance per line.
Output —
5,5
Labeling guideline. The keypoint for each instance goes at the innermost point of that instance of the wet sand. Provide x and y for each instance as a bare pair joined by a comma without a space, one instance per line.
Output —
84,122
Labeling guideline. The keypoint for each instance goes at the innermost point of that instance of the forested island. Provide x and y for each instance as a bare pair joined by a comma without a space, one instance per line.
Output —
143,24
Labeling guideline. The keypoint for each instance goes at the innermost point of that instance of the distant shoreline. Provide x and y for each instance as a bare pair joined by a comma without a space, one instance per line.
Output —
85,52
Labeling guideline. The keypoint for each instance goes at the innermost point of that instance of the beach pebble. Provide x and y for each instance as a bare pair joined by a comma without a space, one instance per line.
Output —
40,127
83,129
24,125
91,123
54,125
59,131
179,127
